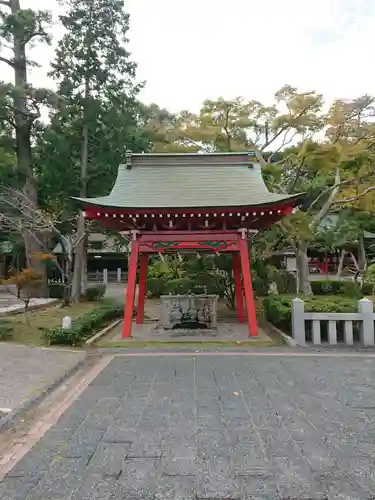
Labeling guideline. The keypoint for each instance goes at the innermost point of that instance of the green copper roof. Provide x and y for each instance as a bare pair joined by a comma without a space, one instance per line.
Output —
188,181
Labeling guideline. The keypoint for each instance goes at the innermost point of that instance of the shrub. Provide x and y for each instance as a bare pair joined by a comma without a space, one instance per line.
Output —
260,274
367,288
260,285
184,286
335,287
351,289
5,330
56,290
326,287
156,287
278,311
95,292
84,326
285,280
278,308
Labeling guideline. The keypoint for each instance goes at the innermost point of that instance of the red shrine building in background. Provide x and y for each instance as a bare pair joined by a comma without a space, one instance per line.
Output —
213,202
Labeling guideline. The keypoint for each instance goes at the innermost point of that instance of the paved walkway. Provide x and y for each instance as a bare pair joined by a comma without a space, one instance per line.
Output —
210,427
26,371
9,304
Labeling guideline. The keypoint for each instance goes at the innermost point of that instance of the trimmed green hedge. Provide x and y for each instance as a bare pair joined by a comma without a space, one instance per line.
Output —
95,292
84,326
278,308
56,290
334,287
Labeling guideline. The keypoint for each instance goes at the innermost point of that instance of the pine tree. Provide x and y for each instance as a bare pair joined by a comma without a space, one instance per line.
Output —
20,103
95,76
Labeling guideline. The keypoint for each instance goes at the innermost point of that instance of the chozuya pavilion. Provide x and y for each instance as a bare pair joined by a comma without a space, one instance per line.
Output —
212,202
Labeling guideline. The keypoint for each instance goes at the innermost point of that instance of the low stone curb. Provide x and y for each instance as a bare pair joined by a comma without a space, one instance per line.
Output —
21,309
101,334
14,416
289,341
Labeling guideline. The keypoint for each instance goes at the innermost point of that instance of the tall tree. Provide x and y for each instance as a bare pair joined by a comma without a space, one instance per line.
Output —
20,103
95,75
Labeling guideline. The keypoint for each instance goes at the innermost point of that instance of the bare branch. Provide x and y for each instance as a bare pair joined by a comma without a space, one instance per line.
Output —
354,198
328,204
9,62
286,127
330,189
297,176
286,142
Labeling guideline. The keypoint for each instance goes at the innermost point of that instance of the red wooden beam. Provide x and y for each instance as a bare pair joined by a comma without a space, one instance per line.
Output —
130,290
238,287
185,236
142,289
248,286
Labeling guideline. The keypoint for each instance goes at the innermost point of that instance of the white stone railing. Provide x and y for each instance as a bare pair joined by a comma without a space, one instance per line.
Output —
364,317
106,276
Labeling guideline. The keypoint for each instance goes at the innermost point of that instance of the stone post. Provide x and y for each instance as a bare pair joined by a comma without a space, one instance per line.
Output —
298,321
366,309
119,274
105,276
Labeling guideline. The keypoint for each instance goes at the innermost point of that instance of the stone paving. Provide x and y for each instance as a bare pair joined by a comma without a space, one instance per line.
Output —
9,304
210,427
26,371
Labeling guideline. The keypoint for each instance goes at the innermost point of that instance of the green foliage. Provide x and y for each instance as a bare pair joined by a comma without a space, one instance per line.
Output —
183,286
56,290
326,287
351,289
211,274
285,281
278,311
278,308
5,330
370,276
260,277
156,287
335,287
84,326
95,292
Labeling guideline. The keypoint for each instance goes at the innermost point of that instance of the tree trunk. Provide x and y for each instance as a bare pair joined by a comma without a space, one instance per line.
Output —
341,263
362,260
23,122
80,262
84,279
304,286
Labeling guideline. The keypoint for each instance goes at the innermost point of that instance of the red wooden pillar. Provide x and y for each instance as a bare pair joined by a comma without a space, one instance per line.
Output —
248,287
238,287
142,288
130,290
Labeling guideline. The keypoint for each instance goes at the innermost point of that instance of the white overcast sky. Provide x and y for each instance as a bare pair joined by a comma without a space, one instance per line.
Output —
190,51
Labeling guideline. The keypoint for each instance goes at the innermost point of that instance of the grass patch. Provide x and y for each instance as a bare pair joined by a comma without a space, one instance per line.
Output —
46,318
